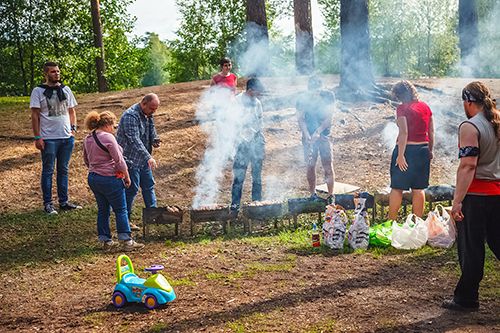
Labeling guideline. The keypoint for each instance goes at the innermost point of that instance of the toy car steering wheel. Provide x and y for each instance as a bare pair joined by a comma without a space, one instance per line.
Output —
154,268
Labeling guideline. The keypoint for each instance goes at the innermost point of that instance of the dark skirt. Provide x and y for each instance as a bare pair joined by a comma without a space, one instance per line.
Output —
417,175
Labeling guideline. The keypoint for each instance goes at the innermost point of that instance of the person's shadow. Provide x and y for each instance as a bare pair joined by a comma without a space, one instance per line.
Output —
448,321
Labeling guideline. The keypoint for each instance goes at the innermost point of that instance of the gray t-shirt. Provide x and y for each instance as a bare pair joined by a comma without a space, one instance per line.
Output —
251,122
488,163
54,116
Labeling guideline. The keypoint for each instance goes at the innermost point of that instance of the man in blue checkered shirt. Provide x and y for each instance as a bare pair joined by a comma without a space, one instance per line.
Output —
137,136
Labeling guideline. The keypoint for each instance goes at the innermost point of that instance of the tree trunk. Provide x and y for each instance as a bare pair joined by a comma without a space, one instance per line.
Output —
304,43
467,28
99,60
356,67
257,53
32,48
20,48
256,12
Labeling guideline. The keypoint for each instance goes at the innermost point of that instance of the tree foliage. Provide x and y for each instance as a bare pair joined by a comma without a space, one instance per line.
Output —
157,56
414,38
35,31
207,30
408,38
212,29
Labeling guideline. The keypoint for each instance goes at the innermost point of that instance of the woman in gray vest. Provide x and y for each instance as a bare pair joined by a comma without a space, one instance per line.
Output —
476,204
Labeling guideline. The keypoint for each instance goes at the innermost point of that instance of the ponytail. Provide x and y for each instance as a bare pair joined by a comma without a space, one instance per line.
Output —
477,92
96,120
492,114
405,91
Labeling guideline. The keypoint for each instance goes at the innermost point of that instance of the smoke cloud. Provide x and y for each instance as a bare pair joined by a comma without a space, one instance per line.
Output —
220,118
484,61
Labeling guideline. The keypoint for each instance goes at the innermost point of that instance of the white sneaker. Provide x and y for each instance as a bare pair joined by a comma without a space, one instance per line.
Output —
109,245
50,209
131,245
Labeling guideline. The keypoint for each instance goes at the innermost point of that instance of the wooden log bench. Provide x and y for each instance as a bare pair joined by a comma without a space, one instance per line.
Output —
307,206
433,194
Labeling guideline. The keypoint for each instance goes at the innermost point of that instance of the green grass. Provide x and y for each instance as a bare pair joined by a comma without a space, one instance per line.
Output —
490,286
158,327
32,238
251,323
14,103
185,281
328,325
95,318
272,267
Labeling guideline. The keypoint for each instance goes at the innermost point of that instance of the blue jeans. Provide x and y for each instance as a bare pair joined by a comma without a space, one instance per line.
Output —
248,153
109,192
142,177
60,150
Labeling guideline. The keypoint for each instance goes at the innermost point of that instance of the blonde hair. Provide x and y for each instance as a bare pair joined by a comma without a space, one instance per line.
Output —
482,95
405,91
96,120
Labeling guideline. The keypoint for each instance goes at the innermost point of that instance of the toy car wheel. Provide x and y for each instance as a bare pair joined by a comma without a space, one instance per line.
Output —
119,299
150,301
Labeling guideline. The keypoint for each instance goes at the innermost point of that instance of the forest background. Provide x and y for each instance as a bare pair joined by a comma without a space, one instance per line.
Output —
408,39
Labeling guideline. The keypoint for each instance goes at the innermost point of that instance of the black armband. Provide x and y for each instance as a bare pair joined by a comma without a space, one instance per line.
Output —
468,151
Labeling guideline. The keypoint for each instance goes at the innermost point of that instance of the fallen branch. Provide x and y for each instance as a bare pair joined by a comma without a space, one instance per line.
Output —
17,137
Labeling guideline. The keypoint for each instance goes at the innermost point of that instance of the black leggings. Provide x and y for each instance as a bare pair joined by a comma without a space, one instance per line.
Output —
481,222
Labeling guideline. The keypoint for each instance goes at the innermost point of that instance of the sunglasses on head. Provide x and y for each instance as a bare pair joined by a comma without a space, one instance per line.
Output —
467,96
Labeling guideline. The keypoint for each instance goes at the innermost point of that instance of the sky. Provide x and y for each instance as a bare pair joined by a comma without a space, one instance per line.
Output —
163,18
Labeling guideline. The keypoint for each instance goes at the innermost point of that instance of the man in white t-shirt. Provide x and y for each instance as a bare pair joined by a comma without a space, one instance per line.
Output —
53,119
250,149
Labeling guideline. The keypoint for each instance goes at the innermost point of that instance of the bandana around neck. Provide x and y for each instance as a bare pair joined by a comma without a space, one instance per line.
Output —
50,90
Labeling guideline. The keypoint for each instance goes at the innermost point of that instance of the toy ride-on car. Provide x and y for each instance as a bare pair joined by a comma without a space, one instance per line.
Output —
153,291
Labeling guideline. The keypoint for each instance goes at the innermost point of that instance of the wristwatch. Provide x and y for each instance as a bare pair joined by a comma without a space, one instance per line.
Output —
73,128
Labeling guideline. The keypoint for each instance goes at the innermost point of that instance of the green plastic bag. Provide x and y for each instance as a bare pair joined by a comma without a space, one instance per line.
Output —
380,234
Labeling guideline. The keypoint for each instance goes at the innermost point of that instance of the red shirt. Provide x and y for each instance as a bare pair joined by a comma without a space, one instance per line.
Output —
483,186
418,115
226,81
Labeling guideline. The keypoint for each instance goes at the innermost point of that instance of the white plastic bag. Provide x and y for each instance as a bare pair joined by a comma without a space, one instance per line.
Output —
441,228
334,227
359,235
411,235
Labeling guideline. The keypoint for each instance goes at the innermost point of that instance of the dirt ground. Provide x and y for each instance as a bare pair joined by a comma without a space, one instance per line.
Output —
361,142
245,285
240,286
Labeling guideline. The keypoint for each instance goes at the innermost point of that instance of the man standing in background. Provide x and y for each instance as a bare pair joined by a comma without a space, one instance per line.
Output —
250,149
315,111
53,119
137,136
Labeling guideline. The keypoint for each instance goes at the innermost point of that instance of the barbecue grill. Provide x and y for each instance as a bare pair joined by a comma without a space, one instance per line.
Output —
263,210
218,213
161,215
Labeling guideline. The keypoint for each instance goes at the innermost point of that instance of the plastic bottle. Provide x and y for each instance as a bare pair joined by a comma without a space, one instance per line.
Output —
315,236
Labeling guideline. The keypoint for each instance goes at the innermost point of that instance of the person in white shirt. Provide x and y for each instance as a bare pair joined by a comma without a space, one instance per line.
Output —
53,119
250,149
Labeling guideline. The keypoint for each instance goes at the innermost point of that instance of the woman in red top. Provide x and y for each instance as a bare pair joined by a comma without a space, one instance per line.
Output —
410,165
225,78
